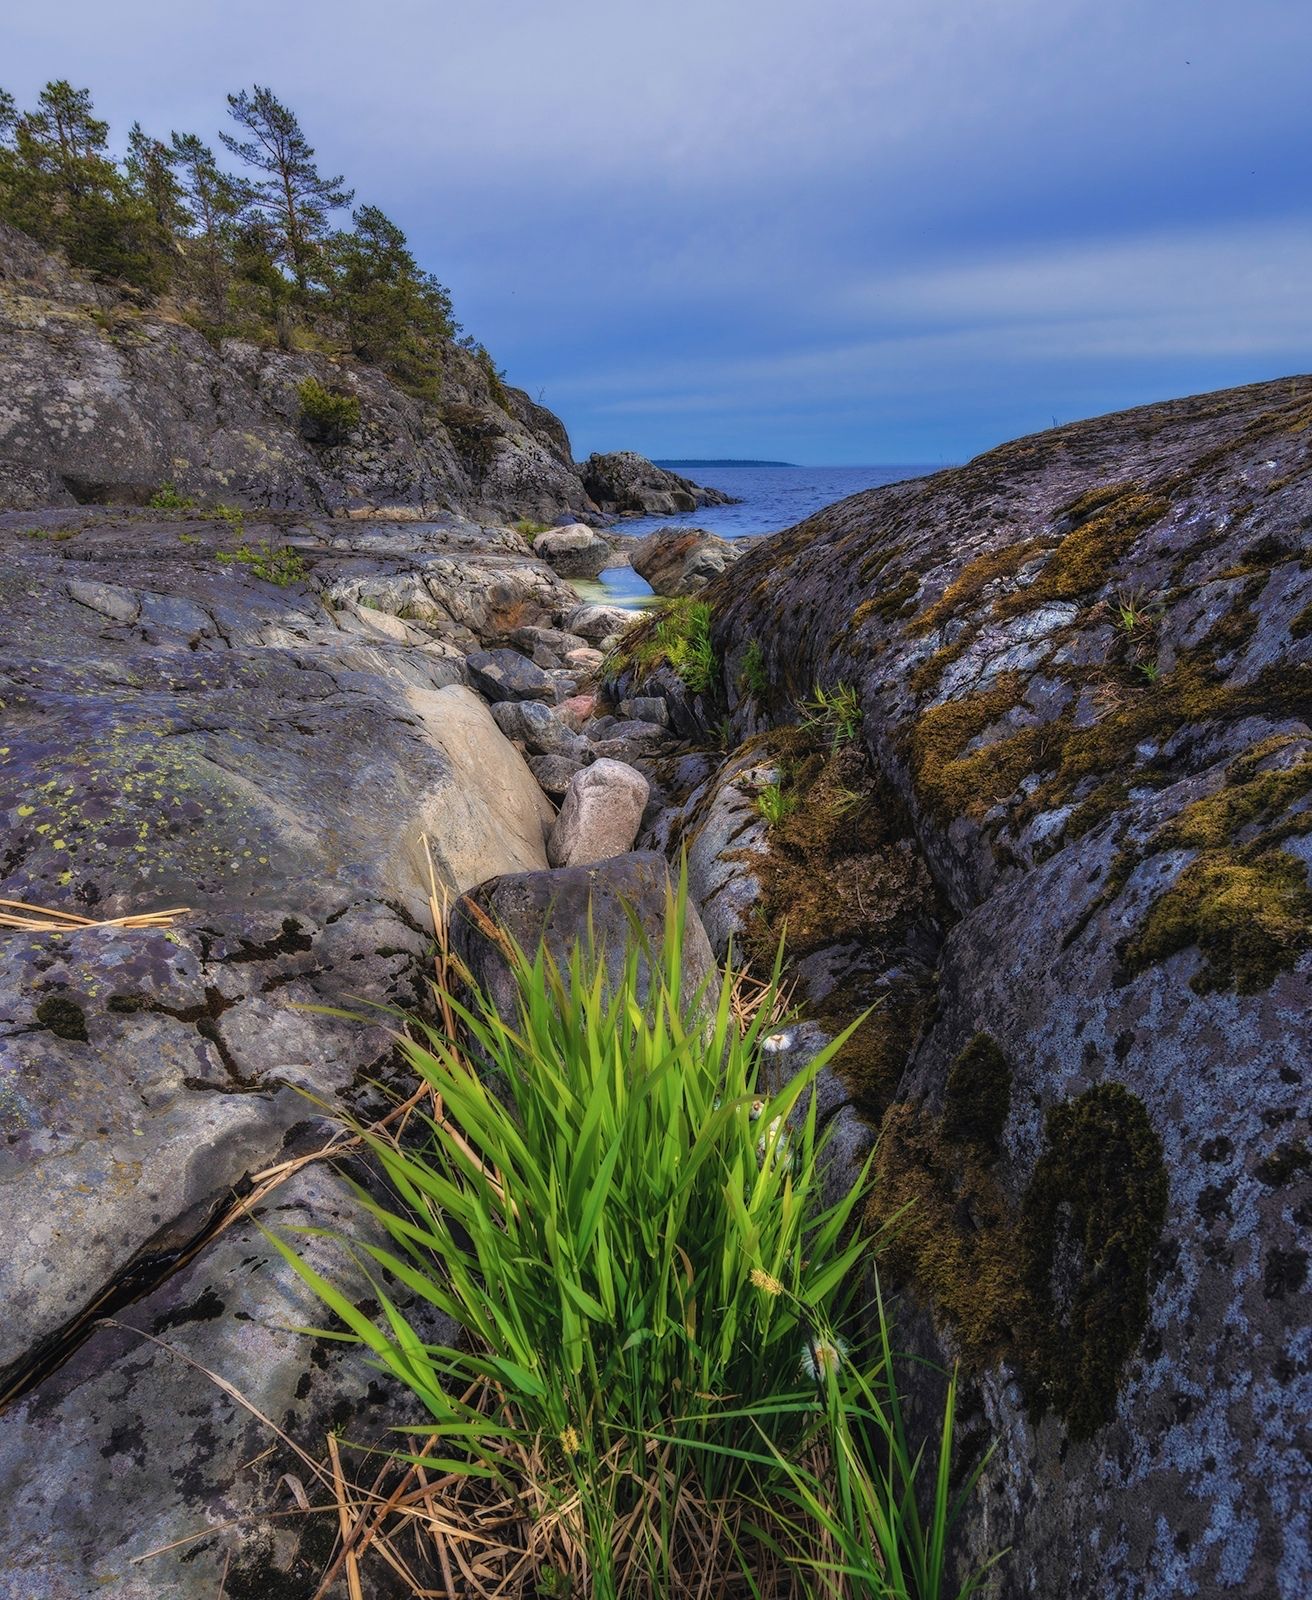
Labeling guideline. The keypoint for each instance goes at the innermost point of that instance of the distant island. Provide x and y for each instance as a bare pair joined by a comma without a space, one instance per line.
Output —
688,461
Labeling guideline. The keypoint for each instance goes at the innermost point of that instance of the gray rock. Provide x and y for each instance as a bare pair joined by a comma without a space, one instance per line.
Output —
554,772
575,551
539,729
235,751
130,1447
597,623
646,708
680,561
585,661
558,907
600,816
507,675
626,741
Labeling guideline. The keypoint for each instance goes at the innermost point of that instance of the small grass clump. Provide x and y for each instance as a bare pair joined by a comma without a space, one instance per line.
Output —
167,498
835,713
528,528
659,1388
278,564
775,803
328,416
754,678
677,634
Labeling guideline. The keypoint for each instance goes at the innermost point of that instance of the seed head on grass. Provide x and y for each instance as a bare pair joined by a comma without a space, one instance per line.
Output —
764,1282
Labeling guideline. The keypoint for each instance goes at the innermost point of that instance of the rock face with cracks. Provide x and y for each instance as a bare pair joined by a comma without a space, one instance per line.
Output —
180,730
1083,667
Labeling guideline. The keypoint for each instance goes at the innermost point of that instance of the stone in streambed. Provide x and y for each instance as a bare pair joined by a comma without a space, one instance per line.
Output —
539,728
554,772
575,551
601,814
564,907
506,675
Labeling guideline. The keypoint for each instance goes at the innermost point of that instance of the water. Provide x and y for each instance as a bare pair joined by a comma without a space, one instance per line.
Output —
770,498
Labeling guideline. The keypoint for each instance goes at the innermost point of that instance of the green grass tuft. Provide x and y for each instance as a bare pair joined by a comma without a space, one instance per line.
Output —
658,1310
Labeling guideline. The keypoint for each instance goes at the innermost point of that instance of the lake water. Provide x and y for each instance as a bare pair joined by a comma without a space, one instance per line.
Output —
769,498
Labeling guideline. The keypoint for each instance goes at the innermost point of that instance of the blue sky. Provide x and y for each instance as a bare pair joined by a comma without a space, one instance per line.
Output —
846,231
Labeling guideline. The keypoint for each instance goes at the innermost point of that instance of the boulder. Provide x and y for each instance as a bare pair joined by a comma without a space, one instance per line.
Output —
222,744
625,483
624,740
650,709
1083,664
601,814
681,561
554,772
507,675
560,906
132,1447
584,661
575,551
576,709
539,728
597,622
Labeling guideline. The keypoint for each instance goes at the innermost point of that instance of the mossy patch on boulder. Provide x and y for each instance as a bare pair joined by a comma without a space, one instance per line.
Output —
1090,1221
1057,1286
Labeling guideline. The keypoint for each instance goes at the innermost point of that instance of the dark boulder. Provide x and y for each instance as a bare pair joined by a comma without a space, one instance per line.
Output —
559,906
507,675
626,483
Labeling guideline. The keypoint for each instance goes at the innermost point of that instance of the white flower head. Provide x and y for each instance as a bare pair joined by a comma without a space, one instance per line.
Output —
823,1356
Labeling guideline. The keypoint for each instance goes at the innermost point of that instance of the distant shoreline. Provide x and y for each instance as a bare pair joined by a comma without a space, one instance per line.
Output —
690,461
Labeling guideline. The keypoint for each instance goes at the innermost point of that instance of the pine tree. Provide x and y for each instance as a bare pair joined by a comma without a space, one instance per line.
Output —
214,202
150,176
291,195
60,185
396,316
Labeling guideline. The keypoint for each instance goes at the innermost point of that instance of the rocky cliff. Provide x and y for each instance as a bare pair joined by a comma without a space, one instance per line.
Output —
1082,669
105,395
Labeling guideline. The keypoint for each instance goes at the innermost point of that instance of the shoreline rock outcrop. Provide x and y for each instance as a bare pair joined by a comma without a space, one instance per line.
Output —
626,484
1082,665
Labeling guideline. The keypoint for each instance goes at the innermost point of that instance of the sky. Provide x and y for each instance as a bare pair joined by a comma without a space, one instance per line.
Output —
846,231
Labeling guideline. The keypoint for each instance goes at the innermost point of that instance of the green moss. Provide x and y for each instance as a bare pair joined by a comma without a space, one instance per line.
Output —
894,602
64,1018
836,874
1090,1220
977,1099
955,784
1104,526
1057,1286
1250,919
1301,626
974,577
948,1233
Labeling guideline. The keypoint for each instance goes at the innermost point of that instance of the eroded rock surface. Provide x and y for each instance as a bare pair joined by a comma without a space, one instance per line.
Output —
680,561
179,730
131,1447
1084,667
